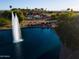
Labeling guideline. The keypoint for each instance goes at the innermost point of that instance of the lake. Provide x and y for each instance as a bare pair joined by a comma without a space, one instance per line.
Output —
39,43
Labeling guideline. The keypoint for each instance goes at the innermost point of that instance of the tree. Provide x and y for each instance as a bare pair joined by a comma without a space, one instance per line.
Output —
71,10
54,17
36,9
6,14
42,9
20,12
68,9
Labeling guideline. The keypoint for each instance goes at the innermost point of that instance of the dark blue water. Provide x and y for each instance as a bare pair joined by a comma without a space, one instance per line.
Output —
39,43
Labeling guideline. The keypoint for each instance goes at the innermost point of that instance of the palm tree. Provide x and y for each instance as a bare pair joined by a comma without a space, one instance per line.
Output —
68,9
71,10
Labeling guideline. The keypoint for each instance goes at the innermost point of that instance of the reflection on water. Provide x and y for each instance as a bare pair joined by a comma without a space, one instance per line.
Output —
39,43
18,50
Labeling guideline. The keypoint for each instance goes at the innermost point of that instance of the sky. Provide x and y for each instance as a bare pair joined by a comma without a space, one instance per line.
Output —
49,4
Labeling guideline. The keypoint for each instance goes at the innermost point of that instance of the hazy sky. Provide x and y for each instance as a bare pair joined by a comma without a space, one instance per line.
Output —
49,4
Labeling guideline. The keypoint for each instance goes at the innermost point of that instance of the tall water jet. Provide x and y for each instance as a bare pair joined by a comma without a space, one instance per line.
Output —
16,29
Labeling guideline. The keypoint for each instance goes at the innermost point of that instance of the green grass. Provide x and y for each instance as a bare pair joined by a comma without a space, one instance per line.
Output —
4,20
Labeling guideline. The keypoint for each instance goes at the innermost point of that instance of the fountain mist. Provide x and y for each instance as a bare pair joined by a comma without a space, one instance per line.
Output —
16,29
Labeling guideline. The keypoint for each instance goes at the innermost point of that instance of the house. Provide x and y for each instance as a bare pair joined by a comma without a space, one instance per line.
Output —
38,16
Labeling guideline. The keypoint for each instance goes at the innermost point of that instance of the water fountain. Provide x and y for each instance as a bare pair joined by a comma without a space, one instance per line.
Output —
16,29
